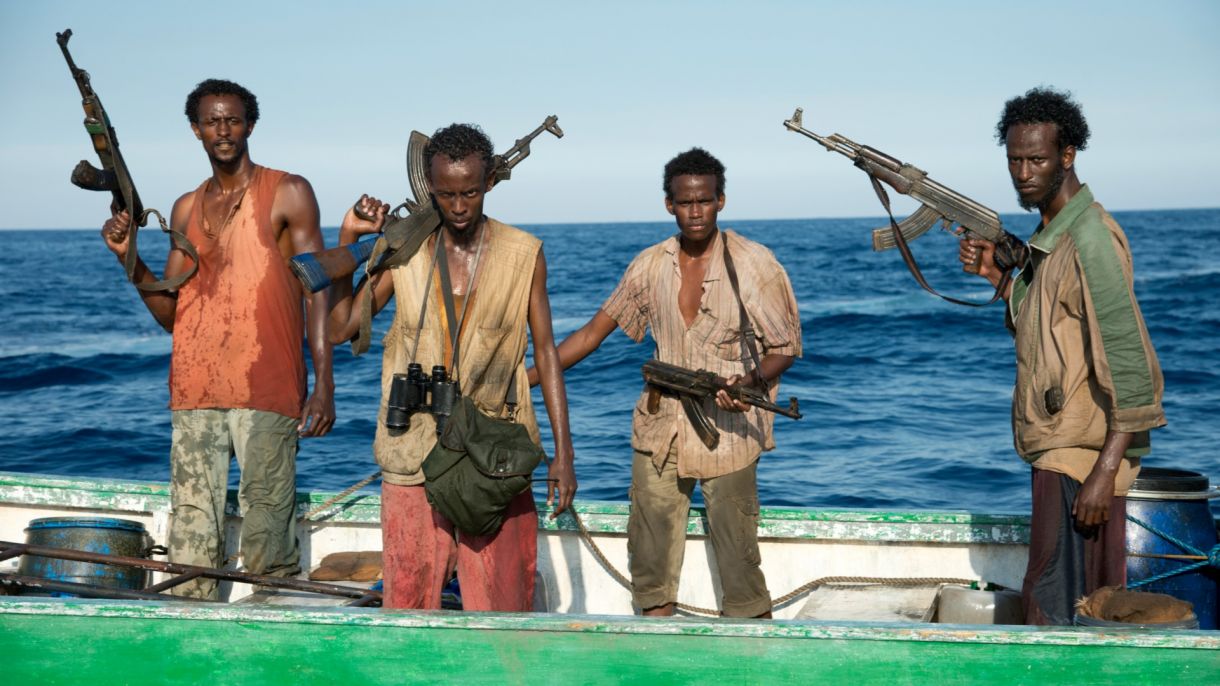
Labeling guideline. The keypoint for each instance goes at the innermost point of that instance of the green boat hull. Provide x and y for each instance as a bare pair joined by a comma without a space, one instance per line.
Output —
110,642
51,641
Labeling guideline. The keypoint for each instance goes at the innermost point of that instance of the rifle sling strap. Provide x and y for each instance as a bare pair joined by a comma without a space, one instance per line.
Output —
400,240
747,329
455,321
909,258
178,241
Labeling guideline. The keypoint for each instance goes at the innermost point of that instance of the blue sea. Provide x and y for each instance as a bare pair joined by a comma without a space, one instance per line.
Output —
906,397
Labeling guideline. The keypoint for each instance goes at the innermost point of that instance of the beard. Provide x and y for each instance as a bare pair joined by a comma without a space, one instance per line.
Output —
1045,201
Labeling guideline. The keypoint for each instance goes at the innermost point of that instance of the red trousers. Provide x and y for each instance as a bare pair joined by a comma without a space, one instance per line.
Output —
420,549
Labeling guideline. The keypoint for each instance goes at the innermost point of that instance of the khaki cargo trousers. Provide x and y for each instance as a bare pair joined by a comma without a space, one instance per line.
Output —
656,534
204,442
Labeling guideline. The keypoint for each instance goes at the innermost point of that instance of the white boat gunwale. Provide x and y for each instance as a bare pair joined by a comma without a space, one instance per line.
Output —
602,517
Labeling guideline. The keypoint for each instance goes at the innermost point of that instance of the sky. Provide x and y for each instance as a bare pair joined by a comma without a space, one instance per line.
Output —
341,86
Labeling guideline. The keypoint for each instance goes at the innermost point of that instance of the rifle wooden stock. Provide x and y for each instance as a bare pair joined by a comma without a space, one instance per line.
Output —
402,234
939,202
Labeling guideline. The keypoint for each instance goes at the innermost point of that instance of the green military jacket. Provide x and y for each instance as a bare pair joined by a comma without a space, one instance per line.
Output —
1085,363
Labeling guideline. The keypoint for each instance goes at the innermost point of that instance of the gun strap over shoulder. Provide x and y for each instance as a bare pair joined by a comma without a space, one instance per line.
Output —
454,319
747,329
909,258
400,240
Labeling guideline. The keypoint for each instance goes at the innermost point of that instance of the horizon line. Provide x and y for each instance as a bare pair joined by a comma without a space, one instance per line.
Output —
667,221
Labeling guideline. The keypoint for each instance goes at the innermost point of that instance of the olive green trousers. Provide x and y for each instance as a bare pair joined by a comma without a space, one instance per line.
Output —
656,535
204,442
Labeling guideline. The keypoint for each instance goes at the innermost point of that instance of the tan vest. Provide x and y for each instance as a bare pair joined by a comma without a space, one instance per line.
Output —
492,344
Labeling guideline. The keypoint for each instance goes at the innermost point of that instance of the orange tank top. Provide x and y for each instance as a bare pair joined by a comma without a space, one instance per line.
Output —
239,323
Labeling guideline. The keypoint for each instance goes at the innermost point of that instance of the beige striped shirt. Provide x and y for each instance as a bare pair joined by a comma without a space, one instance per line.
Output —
647,298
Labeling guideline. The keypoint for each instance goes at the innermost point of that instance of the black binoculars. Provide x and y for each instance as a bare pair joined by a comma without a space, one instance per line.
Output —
414,391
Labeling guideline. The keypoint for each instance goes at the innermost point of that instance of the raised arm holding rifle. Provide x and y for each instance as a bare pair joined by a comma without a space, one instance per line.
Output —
115,178
396,237
238,381
940,204
723,315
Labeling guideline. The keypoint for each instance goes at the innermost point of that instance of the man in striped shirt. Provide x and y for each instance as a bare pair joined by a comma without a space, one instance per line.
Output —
1088,385
681,290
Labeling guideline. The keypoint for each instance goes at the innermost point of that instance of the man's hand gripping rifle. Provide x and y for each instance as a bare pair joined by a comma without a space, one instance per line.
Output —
692,387
939,204
403,233
114,177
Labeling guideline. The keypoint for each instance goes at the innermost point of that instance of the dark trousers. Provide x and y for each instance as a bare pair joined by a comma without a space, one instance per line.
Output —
1067,563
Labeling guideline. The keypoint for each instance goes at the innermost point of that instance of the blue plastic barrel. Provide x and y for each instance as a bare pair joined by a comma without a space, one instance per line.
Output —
1173,503
92,534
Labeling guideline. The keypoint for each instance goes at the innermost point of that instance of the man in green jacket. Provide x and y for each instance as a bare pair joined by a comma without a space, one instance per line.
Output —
1088,386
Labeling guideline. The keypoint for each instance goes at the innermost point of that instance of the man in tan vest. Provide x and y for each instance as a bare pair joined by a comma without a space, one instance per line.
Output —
498,277
237,374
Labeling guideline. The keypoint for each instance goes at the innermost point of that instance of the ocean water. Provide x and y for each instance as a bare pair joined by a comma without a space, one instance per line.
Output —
906,397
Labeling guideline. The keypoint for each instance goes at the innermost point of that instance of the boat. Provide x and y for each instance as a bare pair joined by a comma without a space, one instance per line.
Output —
584,630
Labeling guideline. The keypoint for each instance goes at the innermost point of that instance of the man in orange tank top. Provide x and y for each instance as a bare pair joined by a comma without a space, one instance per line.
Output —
238,382
500,273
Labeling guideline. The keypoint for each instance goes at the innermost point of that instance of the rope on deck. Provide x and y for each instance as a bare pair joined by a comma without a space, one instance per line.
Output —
341,495
776,602
1209,558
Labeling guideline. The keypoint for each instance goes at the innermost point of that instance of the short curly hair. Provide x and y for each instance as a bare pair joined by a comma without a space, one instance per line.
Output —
457,141
1046,106
695,162
221,87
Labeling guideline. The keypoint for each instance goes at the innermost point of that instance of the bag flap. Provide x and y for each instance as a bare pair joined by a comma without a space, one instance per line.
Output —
440,460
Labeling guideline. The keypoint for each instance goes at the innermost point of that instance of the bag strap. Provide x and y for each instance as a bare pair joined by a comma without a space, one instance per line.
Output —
455,322
423,307
747,329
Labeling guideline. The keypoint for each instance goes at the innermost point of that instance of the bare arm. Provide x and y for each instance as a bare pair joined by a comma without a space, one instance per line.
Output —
770,368
346,306
546,358
162,304
1092,504
583,341
296,210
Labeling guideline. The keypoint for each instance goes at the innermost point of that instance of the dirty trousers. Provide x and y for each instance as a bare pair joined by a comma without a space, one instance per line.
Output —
656,535
265,444
420,548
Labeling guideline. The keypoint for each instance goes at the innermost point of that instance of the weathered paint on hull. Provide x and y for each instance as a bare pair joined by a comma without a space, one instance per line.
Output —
109,642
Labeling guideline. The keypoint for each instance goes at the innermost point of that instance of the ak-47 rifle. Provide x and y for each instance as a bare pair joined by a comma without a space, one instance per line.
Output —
114,177
939,204
402,234
693,386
